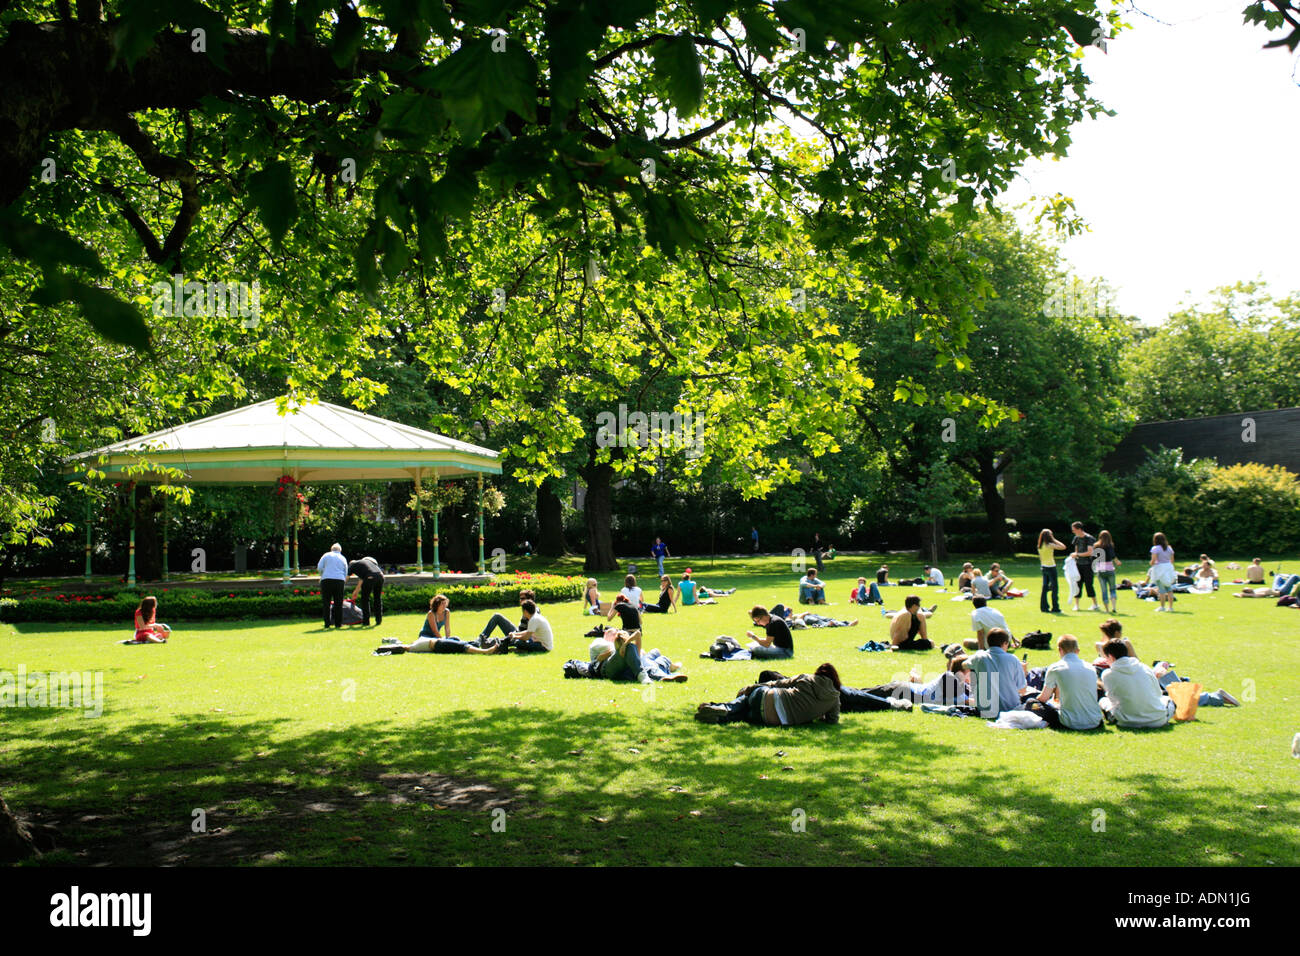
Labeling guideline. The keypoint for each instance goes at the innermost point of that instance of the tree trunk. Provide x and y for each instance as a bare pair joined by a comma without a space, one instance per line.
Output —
599,514
15,840
995,507
550,522
934,547
148,534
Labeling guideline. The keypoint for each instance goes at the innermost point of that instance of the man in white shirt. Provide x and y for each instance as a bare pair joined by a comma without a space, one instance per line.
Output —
333,568
933,576
1133,695
982,620
1074,685
536,636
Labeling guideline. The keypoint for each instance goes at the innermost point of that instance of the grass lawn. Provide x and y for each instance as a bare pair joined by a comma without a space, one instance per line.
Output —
302,748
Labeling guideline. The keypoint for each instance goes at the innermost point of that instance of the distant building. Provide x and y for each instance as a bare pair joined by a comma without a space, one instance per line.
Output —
1265,437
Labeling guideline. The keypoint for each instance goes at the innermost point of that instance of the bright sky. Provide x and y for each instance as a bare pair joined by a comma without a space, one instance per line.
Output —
1193,183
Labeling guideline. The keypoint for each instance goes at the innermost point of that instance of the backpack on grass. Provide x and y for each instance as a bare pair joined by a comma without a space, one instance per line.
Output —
1036,641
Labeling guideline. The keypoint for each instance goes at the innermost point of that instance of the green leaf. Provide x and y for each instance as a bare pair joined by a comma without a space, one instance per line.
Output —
347,36
677,64
1085,30
108,315
273,191
45,245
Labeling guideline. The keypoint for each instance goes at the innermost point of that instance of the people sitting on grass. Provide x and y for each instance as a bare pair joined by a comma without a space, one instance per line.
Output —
999,583
147,628
594,605
667,598
632,592
1111,630
692,591
629,614
998,677
504,624
787,702
1255,573
967,575
535,637
812,590
1284,585
1206,577
623,660
436,638
907,628
1069,697
933,576
776,641
882,576
866,593
983,620
1134,697
980,587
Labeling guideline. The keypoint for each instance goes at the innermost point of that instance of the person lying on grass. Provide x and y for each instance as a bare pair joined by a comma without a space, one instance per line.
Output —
787,702
907,628
435,636
147,628
804,619
625,661
951,687
667,599
1112,630
776,640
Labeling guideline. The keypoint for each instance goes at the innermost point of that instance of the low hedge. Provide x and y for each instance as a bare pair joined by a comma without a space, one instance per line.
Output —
181,604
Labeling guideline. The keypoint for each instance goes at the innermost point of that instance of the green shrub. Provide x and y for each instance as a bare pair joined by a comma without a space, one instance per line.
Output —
182,604
1251,506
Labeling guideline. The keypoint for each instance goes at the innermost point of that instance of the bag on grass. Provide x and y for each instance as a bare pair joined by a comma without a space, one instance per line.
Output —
351,613
1186,696
1036,640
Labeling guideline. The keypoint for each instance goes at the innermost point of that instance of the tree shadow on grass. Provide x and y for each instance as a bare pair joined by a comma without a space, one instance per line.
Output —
530,785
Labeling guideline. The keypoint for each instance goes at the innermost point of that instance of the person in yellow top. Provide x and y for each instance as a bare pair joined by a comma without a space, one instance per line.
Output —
1047,548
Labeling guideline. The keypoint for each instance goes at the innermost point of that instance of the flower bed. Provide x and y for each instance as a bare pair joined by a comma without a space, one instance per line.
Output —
182,604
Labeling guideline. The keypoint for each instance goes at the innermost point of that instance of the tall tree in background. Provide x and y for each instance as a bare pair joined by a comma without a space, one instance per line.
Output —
1234,354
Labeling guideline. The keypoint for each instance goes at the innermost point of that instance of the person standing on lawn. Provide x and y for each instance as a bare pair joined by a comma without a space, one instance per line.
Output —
333,568
753,533
370,585
1047,548
1084,551
659,551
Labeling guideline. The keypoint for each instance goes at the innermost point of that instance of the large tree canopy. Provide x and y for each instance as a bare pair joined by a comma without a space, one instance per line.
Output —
580,108
536,202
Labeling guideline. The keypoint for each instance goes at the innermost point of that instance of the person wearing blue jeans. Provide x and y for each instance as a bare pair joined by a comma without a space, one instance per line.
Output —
868,593
776,640
1047,548
1218,698
1285,582
812,589
659,551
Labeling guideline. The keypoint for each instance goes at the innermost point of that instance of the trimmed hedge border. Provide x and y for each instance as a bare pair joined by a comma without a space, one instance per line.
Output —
178,604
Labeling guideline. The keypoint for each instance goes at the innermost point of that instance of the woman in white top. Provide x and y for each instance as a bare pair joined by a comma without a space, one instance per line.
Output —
1162,574
632,592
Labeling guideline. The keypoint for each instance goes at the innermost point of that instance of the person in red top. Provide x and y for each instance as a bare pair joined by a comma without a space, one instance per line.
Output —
147,628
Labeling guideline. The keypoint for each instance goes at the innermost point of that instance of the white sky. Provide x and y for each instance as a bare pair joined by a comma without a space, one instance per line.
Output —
1193,183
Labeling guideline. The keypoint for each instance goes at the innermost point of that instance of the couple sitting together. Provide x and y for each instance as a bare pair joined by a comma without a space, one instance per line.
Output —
533,635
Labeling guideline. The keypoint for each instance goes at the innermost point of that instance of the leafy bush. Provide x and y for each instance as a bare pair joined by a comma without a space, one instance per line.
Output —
1200,505
1251,506
181,604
